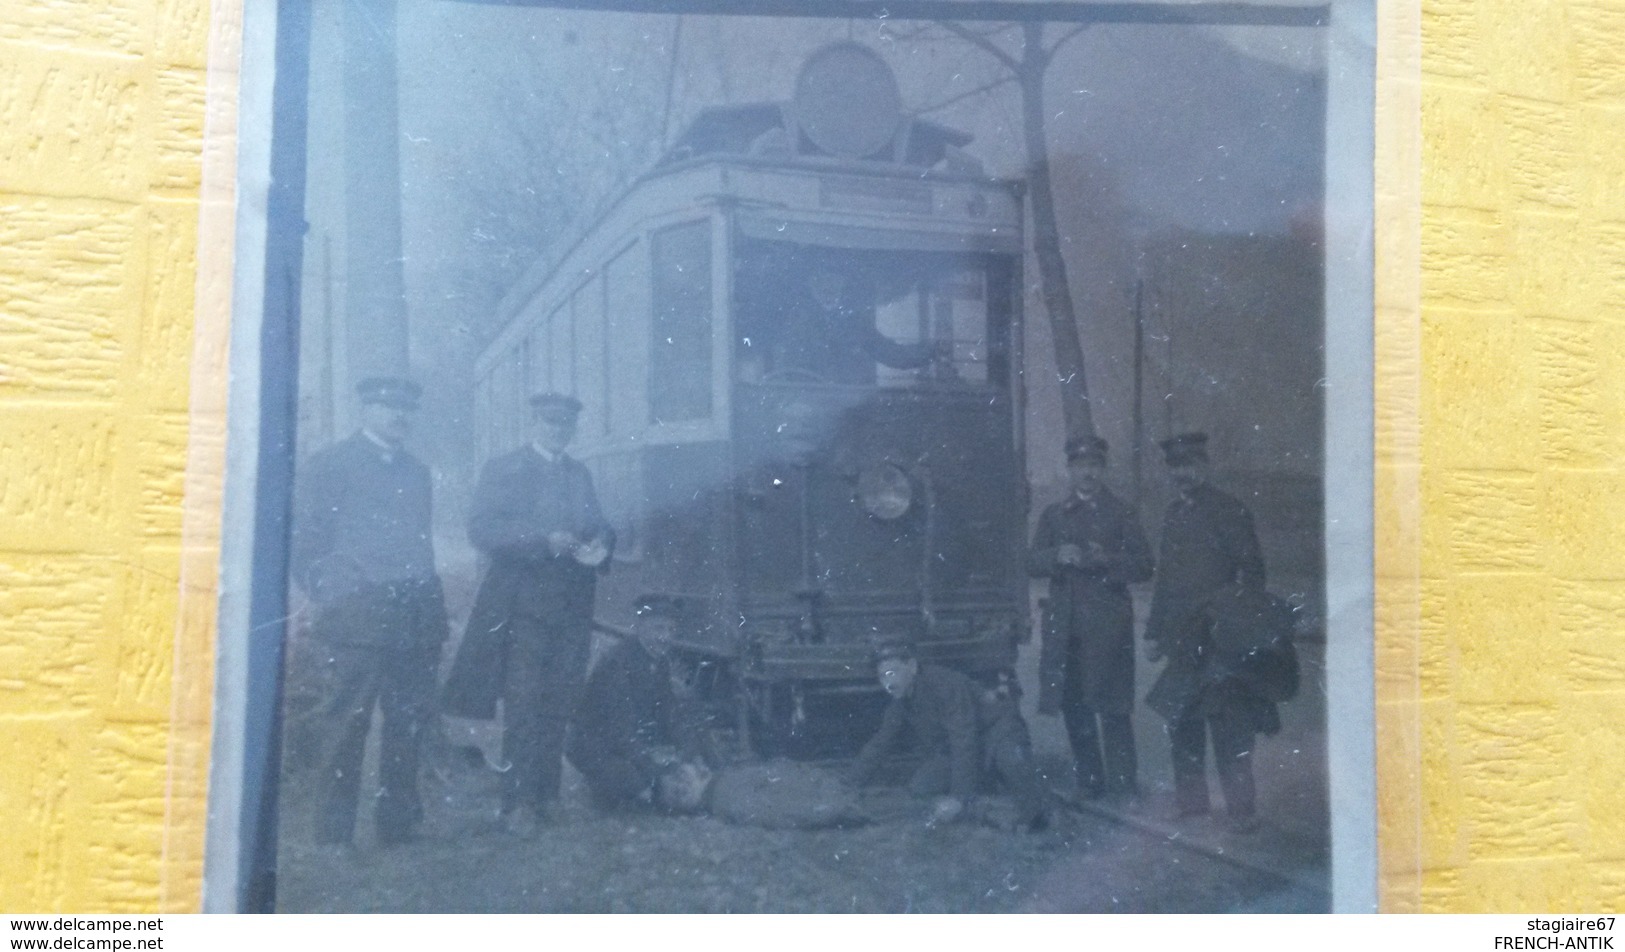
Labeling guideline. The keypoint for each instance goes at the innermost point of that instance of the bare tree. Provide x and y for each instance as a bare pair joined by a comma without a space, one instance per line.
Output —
550,159
508,165
1028,63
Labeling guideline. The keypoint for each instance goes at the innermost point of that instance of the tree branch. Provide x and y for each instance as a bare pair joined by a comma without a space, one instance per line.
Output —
985,87
913,33
1069,34
993,29
982,43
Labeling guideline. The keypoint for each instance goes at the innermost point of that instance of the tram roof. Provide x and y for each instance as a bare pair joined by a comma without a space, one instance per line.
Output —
536,277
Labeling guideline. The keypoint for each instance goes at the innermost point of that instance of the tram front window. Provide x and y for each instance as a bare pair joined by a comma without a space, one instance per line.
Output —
861,319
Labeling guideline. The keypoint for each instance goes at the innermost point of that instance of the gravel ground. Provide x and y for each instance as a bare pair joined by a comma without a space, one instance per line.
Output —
587,862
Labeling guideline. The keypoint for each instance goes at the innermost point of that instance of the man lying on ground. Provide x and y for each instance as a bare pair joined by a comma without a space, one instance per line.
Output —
777,795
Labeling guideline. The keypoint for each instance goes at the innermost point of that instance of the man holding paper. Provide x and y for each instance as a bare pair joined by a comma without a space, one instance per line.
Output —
537,518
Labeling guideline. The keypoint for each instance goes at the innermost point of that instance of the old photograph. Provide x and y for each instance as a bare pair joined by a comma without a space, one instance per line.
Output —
818,457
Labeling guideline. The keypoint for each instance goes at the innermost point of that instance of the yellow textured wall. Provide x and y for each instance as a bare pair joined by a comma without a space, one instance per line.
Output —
1522,479
101,129
1498,781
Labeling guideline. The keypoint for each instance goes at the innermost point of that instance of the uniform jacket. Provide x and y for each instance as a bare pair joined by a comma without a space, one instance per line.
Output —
1208,546
941,711
1090,618
361,545
521,499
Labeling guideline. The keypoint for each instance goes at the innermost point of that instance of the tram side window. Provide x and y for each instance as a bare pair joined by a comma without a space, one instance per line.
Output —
536,375
561,377
508,392
483,417
680,366
589,349
626,309
526,359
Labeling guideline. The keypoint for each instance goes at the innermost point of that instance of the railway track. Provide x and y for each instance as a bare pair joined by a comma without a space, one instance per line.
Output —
1251,858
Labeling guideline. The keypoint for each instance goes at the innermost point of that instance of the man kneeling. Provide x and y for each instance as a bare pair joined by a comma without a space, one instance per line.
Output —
640,744
633,724
966,733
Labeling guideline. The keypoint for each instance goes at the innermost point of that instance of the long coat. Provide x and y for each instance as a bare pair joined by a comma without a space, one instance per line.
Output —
1090,619
1209,546
520,500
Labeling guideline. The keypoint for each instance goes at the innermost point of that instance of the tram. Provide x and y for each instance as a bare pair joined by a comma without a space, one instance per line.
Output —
797,341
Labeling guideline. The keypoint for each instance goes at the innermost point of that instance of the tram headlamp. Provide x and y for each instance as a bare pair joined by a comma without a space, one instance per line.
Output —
885,491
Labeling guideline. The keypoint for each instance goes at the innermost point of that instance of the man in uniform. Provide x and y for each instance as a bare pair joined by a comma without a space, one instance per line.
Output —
1209,549
536,517
964,731
363,553
1091,548
634,724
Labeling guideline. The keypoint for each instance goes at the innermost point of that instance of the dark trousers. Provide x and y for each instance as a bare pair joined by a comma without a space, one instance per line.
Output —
1118,771
399,682
1010,758
1232,757
547,666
